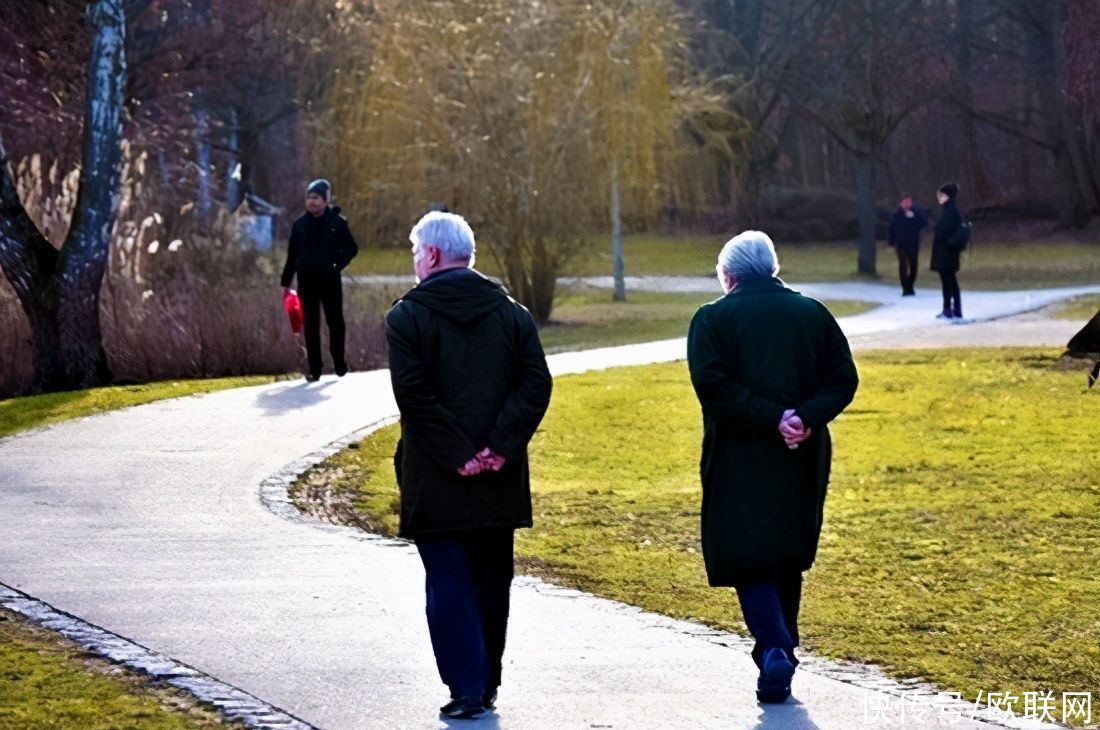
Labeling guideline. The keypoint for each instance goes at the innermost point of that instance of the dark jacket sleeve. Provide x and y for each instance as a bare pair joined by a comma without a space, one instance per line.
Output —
426,421
718,393
837,378
291,258
347,248
529,398
893,229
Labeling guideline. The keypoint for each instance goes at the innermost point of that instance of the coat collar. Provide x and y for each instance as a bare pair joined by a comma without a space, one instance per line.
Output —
760,286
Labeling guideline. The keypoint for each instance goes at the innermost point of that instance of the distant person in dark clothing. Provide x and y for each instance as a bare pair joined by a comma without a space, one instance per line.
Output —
946,250
771,369
905,228
471,382
321,245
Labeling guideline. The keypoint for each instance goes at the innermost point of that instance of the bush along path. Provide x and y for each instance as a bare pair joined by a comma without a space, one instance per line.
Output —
148,523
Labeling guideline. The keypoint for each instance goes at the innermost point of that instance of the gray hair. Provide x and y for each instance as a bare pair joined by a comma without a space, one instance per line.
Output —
749,255
449,232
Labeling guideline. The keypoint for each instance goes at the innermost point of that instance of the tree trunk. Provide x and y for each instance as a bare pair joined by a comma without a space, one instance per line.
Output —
867,213
617,235
59,292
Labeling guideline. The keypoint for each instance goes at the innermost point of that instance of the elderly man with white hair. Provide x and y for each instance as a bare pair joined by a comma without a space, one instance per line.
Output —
771,368
472,385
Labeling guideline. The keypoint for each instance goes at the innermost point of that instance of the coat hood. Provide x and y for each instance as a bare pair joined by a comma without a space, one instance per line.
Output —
460,295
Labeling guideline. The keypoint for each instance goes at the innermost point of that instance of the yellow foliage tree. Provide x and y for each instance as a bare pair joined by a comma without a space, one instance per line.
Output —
520,116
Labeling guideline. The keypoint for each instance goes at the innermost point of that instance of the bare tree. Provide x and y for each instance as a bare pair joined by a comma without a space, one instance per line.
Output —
858,81
59,289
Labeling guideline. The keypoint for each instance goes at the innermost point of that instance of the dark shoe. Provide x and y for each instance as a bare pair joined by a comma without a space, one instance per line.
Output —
776,671
312,378
463,708
341,370
490,700
773,696
956,314
946,314
908,293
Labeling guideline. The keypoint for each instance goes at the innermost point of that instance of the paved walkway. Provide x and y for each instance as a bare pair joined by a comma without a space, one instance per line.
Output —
148,522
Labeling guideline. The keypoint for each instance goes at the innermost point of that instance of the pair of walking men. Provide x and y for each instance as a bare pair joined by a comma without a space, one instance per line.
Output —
771,368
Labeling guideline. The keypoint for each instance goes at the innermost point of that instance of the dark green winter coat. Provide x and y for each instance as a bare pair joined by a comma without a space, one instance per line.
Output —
468,372
754,354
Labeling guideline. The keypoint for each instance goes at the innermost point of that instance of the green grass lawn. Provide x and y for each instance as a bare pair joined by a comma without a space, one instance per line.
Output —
1080,308
19,414
47,681
961,533
987,265
584,318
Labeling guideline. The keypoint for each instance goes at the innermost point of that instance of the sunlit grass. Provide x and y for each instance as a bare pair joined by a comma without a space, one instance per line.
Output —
587,318
47,681
960,535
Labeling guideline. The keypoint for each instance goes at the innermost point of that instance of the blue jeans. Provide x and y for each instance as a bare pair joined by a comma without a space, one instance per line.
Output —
468,576
771,609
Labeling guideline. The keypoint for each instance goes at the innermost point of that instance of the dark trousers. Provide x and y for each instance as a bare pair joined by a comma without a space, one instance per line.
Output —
952,301
907,268
770,609
468,579
329,294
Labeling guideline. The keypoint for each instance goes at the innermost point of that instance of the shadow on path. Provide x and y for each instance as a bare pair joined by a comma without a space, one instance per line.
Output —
275,401
791,715
490,721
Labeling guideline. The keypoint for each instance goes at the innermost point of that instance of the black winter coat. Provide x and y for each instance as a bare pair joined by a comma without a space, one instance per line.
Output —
944,257
752,355
468,371
320,247
905,231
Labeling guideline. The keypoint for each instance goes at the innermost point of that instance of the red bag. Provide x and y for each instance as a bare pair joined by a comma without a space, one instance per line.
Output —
293,306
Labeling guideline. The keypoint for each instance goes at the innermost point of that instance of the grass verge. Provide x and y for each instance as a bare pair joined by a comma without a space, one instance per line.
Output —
48,681
987,265
19,414
586,318
960,535
1079,308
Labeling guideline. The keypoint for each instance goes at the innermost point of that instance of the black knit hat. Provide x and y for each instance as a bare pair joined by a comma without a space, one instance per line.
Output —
950,189
320,187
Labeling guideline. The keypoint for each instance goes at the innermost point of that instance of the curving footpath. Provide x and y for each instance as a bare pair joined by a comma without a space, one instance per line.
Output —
148,523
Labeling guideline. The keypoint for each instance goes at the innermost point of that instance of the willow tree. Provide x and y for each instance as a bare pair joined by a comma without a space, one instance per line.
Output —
517,115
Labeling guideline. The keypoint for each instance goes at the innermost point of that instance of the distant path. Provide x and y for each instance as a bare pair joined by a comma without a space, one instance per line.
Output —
148,522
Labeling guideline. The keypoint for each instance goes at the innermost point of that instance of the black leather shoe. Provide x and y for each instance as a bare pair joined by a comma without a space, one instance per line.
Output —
490,700
463,708
341,370
311,378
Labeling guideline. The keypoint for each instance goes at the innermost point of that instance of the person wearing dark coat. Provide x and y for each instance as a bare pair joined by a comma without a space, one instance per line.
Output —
906,225
946,250
771,369
321,245
471,383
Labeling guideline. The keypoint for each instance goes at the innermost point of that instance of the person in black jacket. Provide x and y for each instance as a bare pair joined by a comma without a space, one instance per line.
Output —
321,245
471,383
771,369
946,250
905,228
